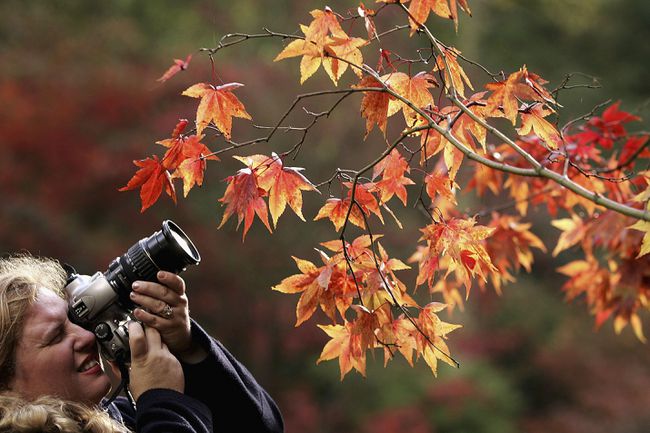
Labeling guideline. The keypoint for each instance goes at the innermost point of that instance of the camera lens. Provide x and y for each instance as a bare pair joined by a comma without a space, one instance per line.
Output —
168,249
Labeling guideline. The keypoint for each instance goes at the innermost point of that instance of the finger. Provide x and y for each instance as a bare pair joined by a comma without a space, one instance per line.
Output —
153,337
151,304
173,281
137,340
155,290
152,320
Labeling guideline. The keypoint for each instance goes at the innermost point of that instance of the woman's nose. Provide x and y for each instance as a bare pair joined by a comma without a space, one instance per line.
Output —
84,338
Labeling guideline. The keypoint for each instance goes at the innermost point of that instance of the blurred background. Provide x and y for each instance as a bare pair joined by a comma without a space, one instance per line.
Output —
80,102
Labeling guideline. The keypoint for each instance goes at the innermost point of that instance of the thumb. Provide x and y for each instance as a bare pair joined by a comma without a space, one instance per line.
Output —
137,340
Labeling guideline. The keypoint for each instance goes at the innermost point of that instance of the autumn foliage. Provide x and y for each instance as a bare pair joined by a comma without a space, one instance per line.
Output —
500,138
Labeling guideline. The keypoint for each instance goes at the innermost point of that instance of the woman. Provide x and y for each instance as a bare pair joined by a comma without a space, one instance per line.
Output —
182,379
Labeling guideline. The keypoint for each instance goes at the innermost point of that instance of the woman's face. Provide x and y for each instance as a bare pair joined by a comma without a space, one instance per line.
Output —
57,357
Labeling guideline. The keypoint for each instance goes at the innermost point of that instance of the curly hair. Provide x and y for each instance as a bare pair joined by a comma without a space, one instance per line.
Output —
47,414
20,278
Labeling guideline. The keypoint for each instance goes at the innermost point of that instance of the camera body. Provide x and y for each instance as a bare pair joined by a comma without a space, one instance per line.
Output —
100,303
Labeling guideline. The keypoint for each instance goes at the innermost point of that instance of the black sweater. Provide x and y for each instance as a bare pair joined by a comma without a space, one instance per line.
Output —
221,395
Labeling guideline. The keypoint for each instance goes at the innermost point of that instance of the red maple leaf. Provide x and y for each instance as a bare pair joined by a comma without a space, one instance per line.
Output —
179,65
244,197
151,178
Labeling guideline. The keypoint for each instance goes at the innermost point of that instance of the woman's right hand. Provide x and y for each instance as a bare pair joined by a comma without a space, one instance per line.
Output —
152,364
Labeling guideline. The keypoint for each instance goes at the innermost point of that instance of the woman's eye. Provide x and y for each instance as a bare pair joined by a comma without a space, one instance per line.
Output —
57,338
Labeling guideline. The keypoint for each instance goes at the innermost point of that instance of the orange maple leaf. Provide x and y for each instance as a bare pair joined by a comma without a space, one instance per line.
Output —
415,89
151,178
283,184
420,9
192,167
343,52
179,65
460,240
392,169
509,247
430,343
218,105
573,232
325,23
350,341
311,56
439,184
328,286
325,43
374,105
449,64
532,121
245,197
337,210
506,95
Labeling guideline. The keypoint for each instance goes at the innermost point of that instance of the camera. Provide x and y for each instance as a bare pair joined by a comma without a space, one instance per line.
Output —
100,303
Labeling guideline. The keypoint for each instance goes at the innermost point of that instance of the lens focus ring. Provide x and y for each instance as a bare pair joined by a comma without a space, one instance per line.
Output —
143,267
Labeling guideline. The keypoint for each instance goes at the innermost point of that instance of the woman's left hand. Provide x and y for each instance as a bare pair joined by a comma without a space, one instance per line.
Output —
164,306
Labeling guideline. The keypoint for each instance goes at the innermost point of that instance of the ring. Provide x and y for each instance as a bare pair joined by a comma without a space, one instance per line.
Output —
166,312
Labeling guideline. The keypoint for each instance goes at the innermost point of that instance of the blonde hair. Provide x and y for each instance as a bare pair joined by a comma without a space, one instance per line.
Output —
48,414
20,278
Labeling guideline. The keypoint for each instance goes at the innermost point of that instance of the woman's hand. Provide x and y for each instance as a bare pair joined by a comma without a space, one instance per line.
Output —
152,364
165,308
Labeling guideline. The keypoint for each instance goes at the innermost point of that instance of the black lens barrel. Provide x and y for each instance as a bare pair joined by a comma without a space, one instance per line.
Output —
168,249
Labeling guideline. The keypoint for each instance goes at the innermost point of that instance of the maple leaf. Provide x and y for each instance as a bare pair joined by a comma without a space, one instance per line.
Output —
532,121
610,126
350,341
414,89
364,204
364,197
355,251
374,105
283,184
325,23
430,341
460,240
218,105
573,231
439,184
344,347
311,56
449,64
325,43
245,197
434,142
504,100
392,169
337,210
192,167
328,286
367,14
509,247
420,9
151,178
179,65
344,51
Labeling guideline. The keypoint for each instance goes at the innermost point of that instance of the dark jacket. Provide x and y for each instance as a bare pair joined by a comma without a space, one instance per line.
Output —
221,395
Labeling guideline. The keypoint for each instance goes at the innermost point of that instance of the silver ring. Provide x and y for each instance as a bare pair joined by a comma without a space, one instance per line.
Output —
166,312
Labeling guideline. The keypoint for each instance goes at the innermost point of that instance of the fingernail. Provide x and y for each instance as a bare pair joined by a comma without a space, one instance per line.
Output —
132,295
161,275
135,285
